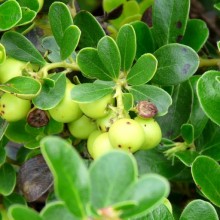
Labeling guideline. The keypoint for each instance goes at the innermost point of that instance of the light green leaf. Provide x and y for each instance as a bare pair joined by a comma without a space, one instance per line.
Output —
88,92
208,89
126,41
143,70
199,209
176,64
2,54
128,101
217,6
33,4
28,16
187,132
71,179
205,173
109,5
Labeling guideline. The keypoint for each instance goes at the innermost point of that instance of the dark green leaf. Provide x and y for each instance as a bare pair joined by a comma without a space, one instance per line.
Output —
22,86
53,127
2,54
196,34
160,98
187,157
21,212
143,70
21,48
56,211
91,65
12,199
144,39
2,155
199,209
49,97
88,92
60,19
187,133
28,15
110,56
208,89
10,14
205,173
71,179
212,151
179,111
3,126
169,21
69,42
176,63
126,41
7,179
109,180
91,30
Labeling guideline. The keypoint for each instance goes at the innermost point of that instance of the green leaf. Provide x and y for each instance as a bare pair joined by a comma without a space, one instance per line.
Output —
176,64
217,6
69,42
199,209
205,173
143,70
91,65
126,41
21,48
12,199
208,89
128,101
3,126
169,21
7,179
187,157
60,19
10,14
212,151
91,30
196,34
109,5
71,179
21,212
56,211
28,15
2,155
144,39
197,117
110,180
2,54
178,113
33,4
89,92
109,55
160,98
218,45
22,86
53,127
49,97
149,191
187,132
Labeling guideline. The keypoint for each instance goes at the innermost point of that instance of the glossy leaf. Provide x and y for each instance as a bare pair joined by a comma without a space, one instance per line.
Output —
196,34
176,64
154,94
109,55
126,41
208,89
28,15
109,181
71,180
187,156
60,19
91,65
179,112
56,211
69,41
143,70
187,132
109,5
22,86
33,4
50,97
21,48
212,151
2,54
91,30
199,209
21,212
88,92
10,13
205,173
169,21
7,179
144,39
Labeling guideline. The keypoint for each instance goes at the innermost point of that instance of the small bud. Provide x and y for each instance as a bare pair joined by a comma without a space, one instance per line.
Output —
146,109
37,118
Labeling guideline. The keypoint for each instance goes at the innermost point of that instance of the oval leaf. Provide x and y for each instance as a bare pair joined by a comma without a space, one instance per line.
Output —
89,92
176,64
71,179
21,48
205,173
208,89
143,70
28,15
126,41
160,98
